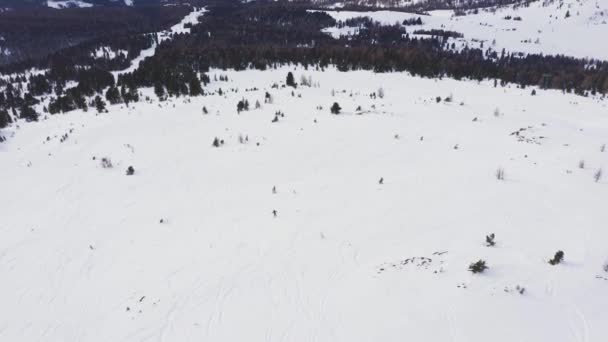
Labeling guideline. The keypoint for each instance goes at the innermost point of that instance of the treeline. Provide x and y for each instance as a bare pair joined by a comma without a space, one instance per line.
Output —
410,6
32,34
267,35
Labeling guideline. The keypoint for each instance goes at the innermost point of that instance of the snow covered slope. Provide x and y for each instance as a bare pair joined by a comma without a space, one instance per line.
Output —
569,27
84,255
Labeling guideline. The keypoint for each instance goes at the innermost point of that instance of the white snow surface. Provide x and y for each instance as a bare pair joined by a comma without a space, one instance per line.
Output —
543,27
84,257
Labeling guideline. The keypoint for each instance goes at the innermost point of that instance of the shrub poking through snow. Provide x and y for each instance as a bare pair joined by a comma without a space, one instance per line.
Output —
598,175
500,174
581,164
335,108
557,258
216,142
603,148
478,266
490,240
130,171
106,163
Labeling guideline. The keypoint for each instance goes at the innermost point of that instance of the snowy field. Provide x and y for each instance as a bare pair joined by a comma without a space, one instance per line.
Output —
543,27
84,255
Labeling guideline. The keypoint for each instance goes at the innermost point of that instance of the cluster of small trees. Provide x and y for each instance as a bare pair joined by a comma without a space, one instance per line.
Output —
242,105
480,266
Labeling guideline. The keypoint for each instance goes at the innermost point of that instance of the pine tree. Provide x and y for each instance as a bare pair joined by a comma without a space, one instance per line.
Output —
113,95
290,80
195,87
159,90
335,108
558,258
100,105
5,118
28,113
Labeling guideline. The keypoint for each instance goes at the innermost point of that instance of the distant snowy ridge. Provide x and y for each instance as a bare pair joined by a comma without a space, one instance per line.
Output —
568,27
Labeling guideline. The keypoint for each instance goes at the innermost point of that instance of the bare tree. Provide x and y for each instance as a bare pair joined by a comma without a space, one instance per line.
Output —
500,174
598,175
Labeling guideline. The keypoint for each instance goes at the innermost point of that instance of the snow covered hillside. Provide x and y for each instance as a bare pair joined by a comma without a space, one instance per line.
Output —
376,216
567,27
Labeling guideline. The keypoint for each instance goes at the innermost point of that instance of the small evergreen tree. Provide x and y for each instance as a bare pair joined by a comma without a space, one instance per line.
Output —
100,105
290,80
478,266
490,240
335,108
558,258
